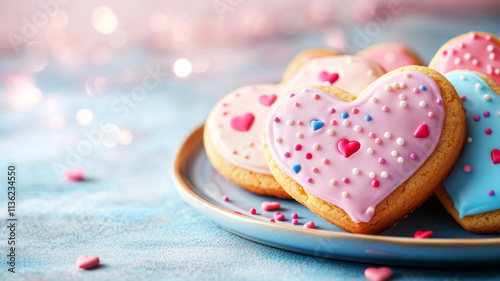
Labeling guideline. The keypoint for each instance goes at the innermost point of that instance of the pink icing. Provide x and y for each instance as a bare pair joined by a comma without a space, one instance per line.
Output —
473,52
239,141
393,57
354,73
349,182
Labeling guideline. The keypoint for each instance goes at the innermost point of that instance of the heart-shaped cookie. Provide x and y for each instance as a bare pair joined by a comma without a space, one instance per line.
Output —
233,132
366,189
470,193
391,55
475,51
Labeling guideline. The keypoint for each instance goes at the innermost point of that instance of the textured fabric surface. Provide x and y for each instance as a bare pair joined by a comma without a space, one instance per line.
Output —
127,211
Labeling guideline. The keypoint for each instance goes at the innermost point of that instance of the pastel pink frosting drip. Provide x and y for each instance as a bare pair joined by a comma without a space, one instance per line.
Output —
474,52
348,182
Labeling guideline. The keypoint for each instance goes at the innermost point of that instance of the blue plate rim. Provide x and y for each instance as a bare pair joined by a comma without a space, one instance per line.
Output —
195,139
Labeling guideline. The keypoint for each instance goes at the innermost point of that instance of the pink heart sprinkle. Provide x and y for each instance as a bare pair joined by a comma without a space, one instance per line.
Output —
75,174
269,206
495,156
348,148
421,234
242,123
378,274
422,131
279,216
87,262
324,76
267,100
309,225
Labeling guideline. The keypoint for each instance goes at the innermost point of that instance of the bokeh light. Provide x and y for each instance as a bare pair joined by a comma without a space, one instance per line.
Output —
182,67
111,136
84,116
125,137
158,22
104,20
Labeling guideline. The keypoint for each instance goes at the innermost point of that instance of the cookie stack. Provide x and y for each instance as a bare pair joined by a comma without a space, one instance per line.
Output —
362,147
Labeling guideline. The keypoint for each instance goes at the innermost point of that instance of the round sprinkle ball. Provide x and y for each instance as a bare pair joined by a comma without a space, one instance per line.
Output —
387,135
400,141
344,115
401,160
370,150
375,183
315,146
346,123
333,181
345,194
345,179
384,174
491,192
413,156
423,88
477,118
381,160
486,114
402,103
371,175
355,171
357,128
467,168
486,97
422,104
368,118
488,131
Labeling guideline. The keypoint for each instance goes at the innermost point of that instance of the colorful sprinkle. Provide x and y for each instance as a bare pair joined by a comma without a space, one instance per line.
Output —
385,108
272,220
368,118
295,216
315,170
344,115
278,216
253,211
413,156
325,161
486,114
491,192
375,183
316,125
295,221
384,174
315,146
477,117
330,132
296,168
372,175
488,131
287,154
430,114
269,206
422,235
299,135
225,198
422,87
486,97
467,168
357,128
309,225
387,135
345,179
400,141
308,156
416,90
345,194
439,101
356,171
298,147
333,182
463,98
332,110
381,160
354,111
309,180
378,274
276,119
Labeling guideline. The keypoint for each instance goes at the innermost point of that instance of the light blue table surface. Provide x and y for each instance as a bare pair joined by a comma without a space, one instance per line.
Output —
127,211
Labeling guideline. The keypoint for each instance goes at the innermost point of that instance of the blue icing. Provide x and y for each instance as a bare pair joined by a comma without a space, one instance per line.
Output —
469,191
317,124
296,168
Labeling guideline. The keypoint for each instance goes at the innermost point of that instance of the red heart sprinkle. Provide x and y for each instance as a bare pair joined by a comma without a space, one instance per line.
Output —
267,100
421,234
324,76
348,148
422,131
495,156
87,262
378,274
242,123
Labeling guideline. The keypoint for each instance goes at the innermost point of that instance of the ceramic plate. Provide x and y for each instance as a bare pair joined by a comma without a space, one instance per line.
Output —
203,188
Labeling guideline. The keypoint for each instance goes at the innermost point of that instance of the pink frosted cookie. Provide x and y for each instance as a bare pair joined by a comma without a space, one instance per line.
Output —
305,56
476,51
232,134
366,164
391,55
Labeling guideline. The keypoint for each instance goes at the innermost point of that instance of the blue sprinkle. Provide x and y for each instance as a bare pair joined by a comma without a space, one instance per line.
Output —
296,168
317,124
368,118
422,87
344,115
